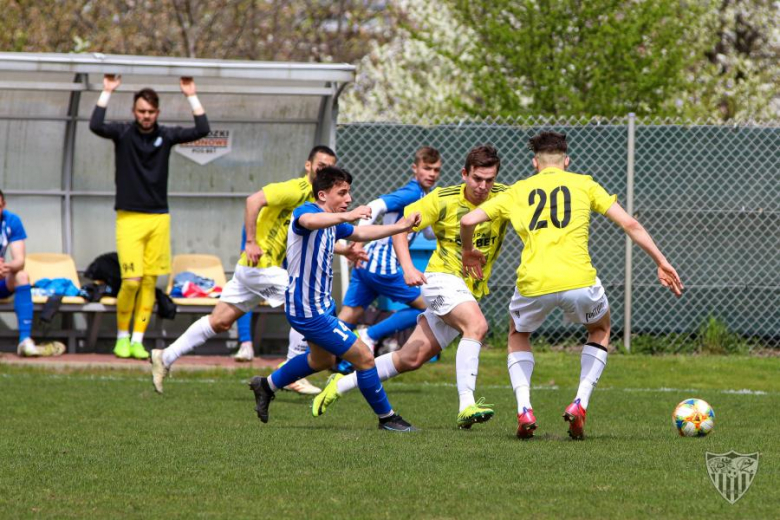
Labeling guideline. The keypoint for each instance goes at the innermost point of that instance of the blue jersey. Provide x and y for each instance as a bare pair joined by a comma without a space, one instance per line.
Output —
382,259
11,230
310,265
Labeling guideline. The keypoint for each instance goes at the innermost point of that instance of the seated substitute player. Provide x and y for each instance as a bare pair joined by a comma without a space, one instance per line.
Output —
550,211
381,274
259,274
310,307
451,300
15,281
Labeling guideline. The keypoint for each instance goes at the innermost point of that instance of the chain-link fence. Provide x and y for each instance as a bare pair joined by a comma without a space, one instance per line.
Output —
709,195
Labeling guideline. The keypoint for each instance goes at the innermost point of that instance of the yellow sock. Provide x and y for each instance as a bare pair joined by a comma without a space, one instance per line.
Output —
125,301
145,304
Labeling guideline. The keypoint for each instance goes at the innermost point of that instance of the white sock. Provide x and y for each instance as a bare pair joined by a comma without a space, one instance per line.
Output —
384,367
196,335
521,367
466,368
271,384
296,344
122,334
593,361
138,337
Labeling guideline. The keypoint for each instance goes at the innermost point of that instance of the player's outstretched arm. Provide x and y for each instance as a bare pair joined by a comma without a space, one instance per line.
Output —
254,203
667,275
412,276
312,221
473,259
369,233
97,122
187,86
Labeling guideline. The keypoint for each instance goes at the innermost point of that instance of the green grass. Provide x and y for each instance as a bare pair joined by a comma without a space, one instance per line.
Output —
101,444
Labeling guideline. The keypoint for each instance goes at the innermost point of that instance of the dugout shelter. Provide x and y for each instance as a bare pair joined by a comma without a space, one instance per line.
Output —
59,177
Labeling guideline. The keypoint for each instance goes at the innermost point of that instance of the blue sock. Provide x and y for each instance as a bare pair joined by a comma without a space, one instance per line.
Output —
23,307
400,320
373,391
245,327
295,369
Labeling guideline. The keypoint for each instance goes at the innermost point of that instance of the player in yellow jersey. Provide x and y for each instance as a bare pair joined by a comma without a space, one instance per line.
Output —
451,300
550,211
259,274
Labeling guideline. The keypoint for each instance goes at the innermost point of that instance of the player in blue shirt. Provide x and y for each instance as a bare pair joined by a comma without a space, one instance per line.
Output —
381,275
13,280
309,306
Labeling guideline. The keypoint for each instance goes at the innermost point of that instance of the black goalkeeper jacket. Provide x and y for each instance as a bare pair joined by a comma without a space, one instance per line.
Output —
142,159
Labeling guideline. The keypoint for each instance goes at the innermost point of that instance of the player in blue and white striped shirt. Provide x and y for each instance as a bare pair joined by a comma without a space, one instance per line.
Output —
381,275
310,308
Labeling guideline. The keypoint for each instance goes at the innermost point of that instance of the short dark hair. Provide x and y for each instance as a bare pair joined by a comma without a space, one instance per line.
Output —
148,95
328,177
548,142
483,156
320,148
2,196
427,155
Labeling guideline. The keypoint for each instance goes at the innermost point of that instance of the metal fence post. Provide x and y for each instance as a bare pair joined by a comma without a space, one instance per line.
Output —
629,244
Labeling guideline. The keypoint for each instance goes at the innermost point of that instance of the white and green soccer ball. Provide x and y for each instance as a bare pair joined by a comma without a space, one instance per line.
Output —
693,418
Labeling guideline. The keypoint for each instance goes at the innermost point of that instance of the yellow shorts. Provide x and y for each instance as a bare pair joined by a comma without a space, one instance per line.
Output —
143,243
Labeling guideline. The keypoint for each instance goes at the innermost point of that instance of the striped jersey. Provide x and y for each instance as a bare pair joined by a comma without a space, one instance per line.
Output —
442,209
381,255
310,265
273,220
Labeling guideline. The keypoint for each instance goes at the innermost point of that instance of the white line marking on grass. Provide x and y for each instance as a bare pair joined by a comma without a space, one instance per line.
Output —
182,380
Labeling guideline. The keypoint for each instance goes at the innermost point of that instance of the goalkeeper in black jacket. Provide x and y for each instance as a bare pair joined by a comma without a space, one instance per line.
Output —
143,241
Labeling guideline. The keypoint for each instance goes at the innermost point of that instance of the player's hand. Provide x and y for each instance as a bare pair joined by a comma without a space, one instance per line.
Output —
414,278
410,222
253,253
355,254
473,262
670,279
361,212
4,268
187,86
111,82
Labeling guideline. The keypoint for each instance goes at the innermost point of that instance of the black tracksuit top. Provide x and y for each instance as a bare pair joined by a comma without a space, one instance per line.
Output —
142,159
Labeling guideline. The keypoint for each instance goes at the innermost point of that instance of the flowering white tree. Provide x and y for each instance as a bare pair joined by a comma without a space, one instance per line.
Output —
408,76
739,75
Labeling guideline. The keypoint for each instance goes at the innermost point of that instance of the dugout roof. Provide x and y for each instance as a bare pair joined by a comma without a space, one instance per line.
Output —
59,176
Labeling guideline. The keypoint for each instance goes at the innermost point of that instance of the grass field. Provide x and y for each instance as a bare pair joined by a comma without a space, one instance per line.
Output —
102,445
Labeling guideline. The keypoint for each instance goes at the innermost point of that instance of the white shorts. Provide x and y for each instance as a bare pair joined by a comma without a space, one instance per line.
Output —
443,333
251,285
442,294
586,305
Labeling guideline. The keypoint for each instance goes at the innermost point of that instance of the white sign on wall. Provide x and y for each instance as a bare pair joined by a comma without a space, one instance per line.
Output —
205,150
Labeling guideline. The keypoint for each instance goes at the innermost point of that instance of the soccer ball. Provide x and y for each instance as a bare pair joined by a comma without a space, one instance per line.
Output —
693,418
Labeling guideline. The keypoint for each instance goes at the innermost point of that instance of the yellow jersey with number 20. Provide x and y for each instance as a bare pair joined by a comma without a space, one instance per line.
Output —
442,209
550,211
273,220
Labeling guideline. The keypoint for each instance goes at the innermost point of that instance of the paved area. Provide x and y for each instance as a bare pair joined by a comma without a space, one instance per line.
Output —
111,361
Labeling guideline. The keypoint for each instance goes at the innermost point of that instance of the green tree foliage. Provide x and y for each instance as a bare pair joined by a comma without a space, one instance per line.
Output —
566,57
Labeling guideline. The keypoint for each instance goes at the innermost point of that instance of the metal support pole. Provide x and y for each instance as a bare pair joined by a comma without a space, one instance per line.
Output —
67,165
629,243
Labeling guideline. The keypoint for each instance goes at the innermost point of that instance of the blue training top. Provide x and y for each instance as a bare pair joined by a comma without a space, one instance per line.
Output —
382,259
